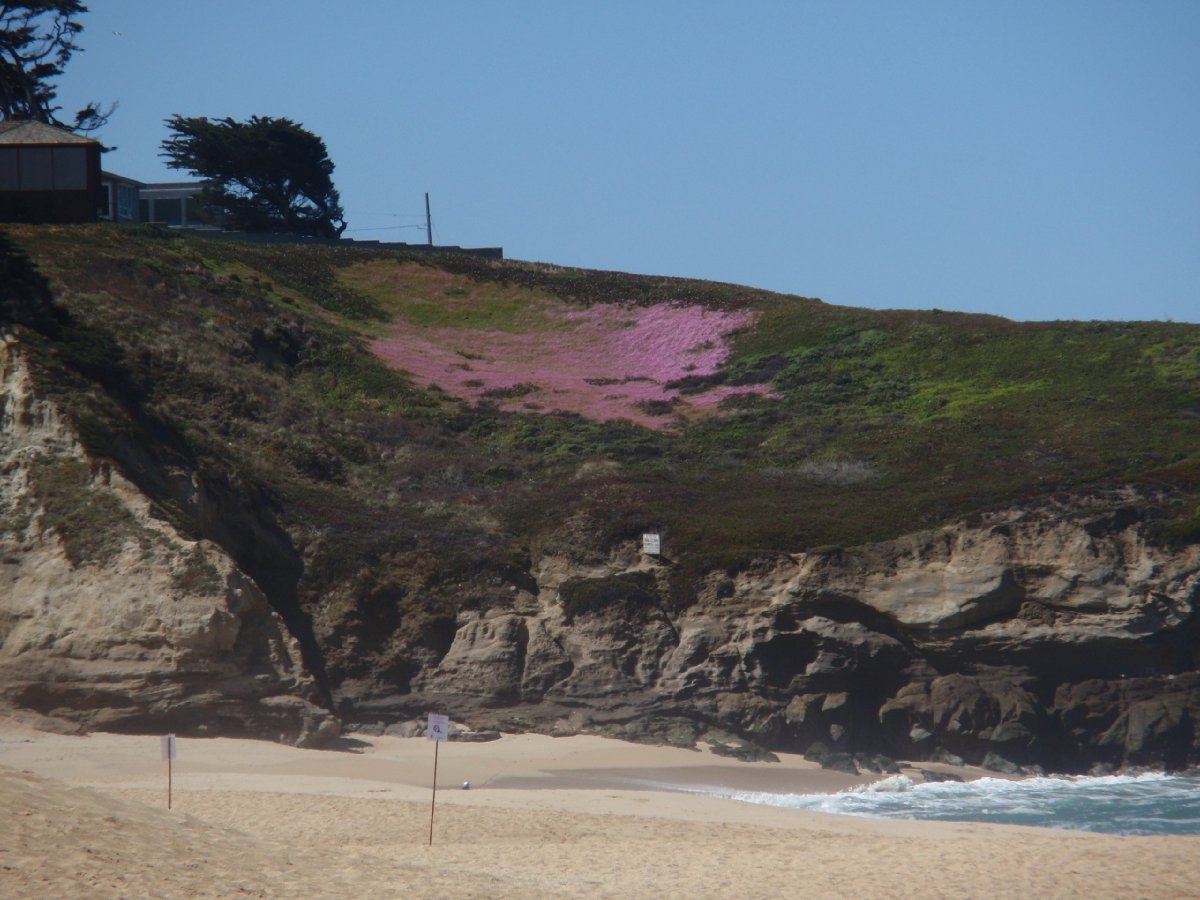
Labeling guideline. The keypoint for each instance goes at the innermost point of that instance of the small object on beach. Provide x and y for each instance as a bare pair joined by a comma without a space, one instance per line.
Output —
466,785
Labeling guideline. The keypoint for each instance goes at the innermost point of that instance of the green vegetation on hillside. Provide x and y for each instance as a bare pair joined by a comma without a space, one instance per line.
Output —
247,363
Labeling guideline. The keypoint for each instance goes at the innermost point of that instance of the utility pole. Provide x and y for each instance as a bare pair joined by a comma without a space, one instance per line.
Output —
428,222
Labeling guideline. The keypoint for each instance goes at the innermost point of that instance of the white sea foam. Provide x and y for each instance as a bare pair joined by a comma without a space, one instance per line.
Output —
1124,804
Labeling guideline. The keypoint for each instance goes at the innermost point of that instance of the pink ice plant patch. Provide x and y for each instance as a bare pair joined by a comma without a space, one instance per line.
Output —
603,362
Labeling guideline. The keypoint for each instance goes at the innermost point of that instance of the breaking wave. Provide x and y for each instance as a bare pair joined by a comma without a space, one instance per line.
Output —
1113,804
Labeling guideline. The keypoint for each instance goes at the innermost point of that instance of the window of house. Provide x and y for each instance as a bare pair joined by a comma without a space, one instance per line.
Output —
10,170
127,204
43,168
37,168
70,168
168,211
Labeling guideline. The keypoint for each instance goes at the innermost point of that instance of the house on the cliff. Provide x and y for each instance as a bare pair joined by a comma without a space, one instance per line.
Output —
51,175
119,197
174,203
48,174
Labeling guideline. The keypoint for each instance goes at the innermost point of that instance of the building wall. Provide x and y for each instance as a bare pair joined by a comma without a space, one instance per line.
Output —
46,183
120,200
175,203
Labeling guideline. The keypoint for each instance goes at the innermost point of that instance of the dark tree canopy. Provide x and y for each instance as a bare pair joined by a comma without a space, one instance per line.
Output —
37,40
264,174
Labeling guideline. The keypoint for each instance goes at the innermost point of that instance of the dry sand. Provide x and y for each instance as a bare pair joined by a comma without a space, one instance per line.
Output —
545,817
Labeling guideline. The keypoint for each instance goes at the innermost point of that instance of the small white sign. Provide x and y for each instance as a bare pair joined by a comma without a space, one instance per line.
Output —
168,747
651,544
439,728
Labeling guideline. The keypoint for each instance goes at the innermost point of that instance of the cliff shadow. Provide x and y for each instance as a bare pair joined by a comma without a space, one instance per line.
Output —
25,295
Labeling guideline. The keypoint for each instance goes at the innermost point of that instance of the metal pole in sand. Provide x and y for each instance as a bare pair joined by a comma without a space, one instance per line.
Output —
436,731
167,743
433,803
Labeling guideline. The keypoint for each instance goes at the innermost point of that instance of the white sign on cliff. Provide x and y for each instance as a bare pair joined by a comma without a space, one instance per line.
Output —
651,545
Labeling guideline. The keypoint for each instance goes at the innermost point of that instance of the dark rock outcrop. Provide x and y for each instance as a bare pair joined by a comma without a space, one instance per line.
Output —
1058,636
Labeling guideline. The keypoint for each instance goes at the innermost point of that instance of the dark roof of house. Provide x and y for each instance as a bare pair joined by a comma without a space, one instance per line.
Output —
27,131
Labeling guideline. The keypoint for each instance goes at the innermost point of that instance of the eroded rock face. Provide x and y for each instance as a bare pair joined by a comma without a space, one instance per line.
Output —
1054,636
110,619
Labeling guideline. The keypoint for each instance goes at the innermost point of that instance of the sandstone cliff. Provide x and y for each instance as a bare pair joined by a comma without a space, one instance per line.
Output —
109,618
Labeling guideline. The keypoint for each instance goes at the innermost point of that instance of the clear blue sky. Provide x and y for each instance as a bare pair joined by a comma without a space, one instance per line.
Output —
1037,160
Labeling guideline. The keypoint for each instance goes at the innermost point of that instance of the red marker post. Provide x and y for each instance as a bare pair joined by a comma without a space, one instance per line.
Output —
437,731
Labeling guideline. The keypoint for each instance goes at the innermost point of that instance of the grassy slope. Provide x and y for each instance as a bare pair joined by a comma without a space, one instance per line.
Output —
248,361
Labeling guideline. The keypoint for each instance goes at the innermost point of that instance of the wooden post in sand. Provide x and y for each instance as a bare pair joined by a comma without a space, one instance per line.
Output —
437,731
168,753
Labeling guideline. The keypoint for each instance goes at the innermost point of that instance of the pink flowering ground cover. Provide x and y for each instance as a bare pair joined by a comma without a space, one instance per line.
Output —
605,362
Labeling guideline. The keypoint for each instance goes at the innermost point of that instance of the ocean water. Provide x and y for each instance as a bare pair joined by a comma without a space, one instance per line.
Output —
1113,804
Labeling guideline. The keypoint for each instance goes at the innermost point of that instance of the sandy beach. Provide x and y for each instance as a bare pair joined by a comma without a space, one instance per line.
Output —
87,816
